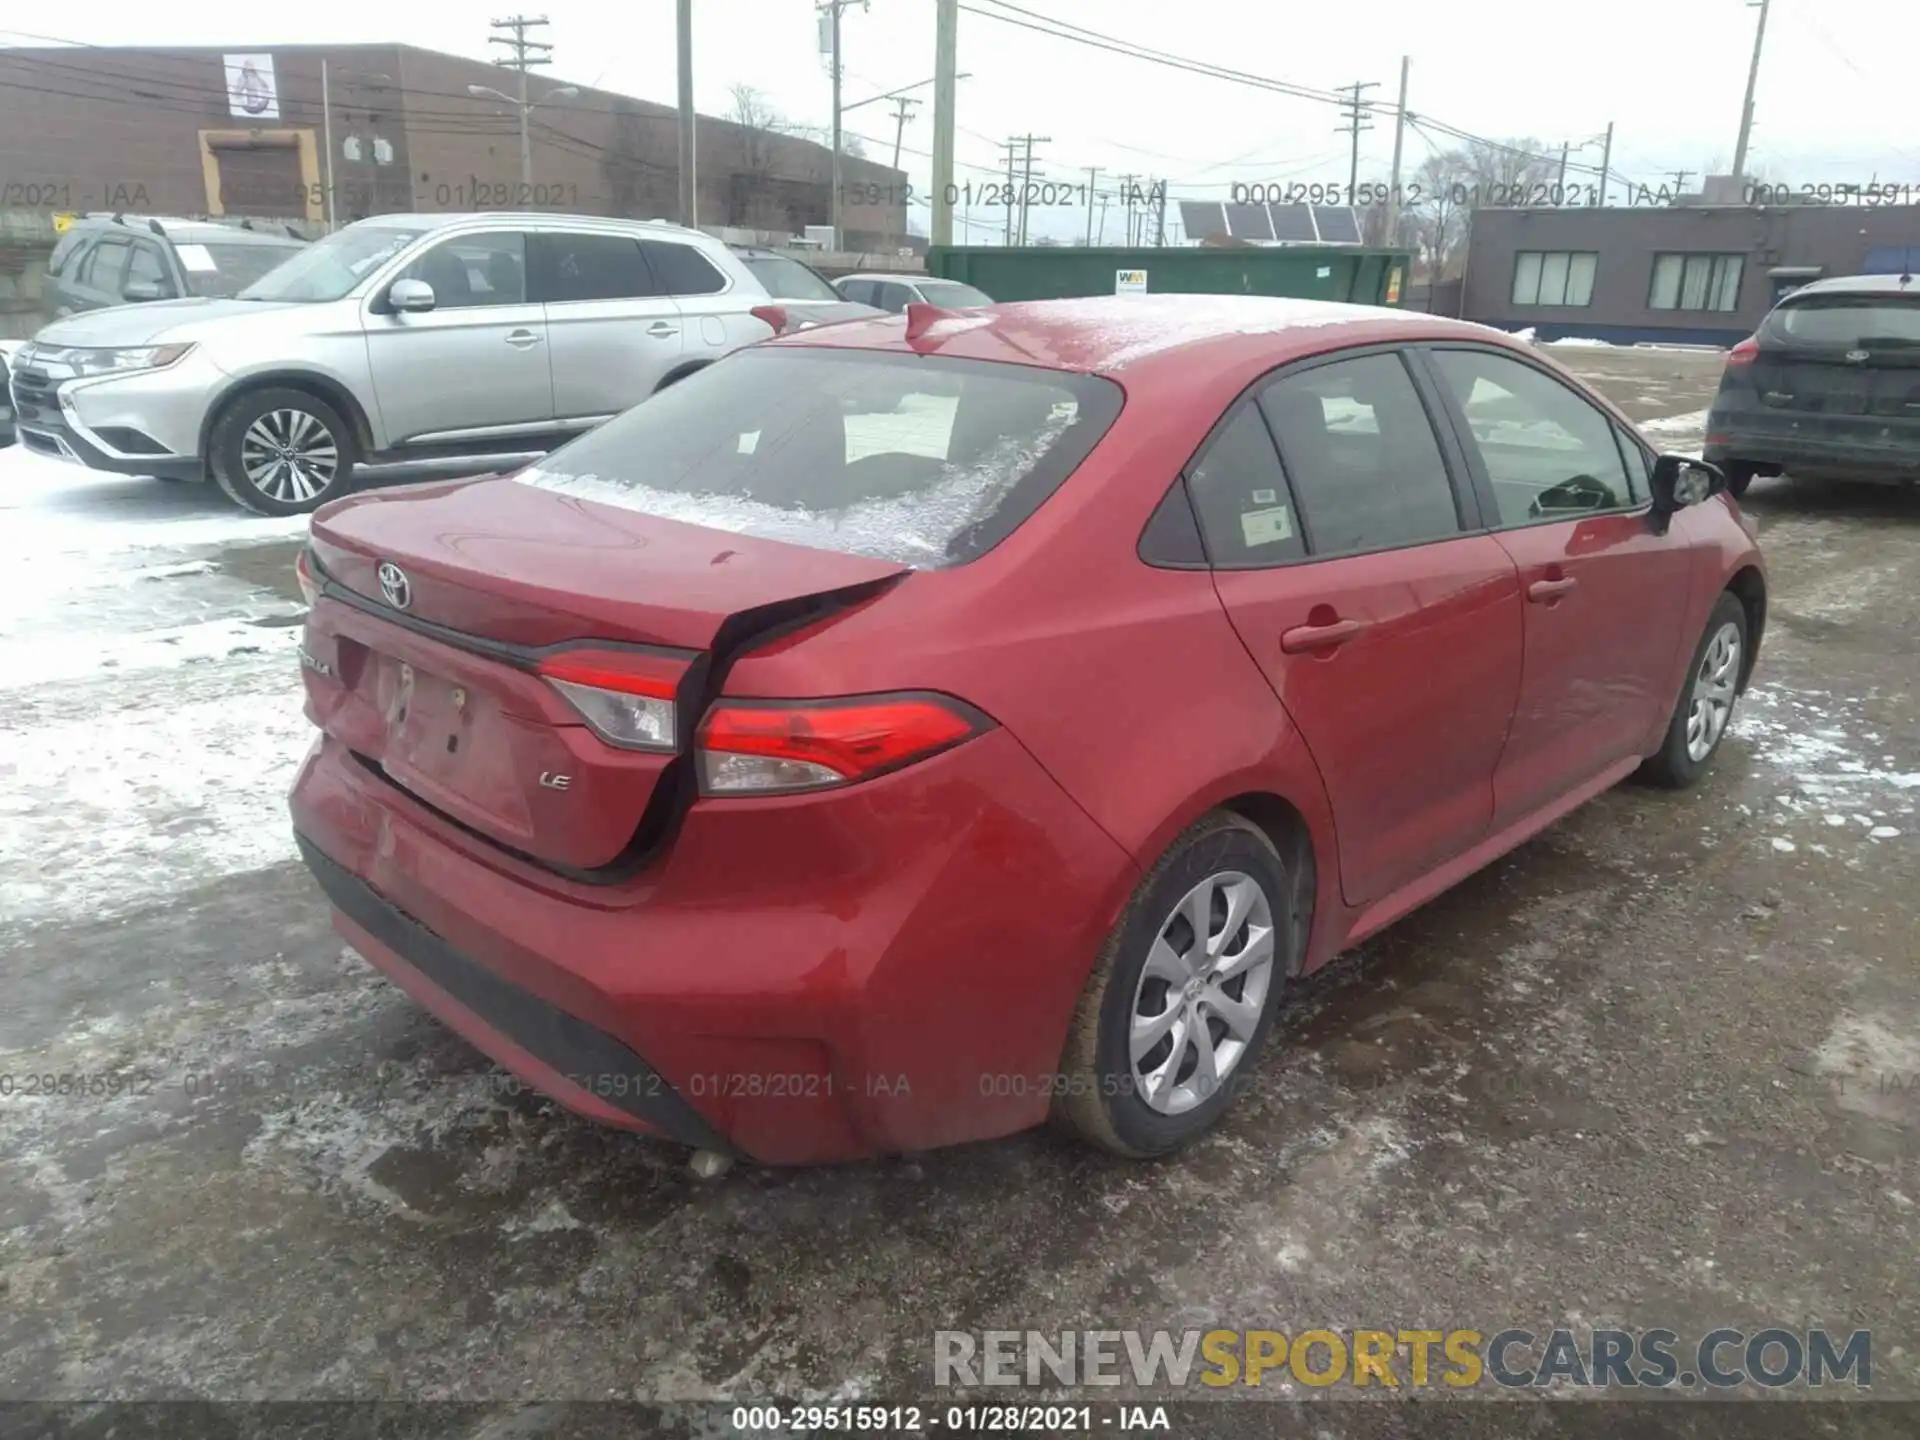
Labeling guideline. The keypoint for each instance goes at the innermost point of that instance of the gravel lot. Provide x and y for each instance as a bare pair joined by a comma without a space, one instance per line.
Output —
1659,1067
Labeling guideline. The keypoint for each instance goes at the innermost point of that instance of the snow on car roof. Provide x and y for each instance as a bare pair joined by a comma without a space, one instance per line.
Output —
1112,332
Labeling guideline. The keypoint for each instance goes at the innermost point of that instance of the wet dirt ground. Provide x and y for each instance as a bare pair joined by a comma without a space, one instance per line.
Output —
1660,1067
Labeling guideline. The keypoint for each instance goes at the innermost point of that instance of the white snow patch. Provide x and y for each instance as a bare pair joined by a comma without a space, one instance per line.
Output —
57,656
1579,342
1785,847
1682,433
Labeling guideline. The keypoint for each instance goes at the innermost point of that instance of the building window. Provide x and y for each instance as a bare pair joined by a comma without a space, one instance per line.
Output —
1553,277
1696,282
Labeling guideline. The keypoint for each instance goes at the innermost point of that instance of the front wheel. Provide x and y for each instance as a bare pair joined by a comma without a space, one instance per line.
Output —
1183,994
281,452
1705,708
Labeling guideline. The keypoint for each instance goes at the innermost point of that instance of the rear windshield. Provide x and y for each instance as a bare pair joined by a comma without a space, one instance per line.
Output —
921,460
952,295
1845,320
789,280
226,270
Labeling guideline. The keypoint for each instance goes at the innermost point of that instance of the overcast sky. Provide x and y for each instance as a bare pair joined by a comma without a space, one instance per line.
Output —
1833,104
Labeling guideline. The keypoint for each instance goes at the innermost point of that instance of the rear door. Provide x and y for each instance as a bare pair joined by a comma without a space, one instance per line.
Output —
473,368
615,332
715,311
1604,593
1391,634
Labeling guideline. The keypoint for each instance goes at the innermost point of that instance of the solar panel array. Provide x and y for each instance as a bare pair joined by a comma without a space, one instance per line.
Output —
1286,224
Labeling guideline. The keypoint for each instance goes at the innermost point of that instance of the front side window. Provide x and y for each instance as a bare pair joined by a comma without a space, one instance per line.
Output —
952,295
1357,445
923,460
1240,496
472,271
590,267
330,268
107,270
1696,282
1554,277
893,297
1547,452
146,267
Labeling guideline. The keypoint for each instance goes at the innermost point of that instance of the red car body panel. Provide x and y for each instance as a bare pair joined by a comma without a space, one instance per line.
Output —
894,965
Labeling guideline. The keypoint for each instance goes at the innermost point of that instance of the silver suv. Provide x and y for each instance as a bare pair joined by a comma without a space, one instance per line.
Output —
397,338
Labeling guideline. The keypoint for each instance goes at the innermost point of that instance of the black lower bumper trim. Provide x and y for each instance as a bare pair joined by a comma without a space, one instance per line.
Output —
589,1057
41,428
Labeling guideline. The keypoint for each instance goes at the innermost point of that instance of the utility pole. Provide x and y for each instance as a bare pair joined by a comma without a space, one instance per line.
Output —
1679,183
1126,194
1606,162
946,63
1359,115
1399,135
1026,177
689,184
902,106
1012,147
1562,182
1746,106
1160,224
832,9
326,128
526,54
1093,178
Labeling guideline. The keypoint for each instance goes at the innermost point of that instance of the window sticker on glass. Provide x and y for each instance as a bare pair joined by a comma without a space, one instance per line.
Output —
196,258
1266,527
1266,497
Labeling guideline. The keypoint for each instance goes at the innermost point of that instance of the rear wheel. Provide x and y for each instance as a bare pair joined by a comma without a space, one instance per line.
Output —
1739,477
1183,994
1705,708
281,452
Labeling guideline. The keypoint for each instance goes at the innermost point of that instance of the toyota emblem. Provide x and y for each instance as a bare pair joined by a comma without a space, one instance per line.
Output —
395,585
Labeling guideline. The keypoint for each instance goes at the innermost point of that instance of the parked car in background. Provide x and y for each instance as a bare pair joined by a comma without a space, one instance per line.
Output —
808,296
893,293
396,338
105,260
895,735
1828,388
7,349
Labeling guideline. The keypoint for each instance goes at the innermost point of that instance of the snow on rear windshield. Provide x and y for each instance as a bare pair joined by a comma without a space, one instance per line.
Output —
919,460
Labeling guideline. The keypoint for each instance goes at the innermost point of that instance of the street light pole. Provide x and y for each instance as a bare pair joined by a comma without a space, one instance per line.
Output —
526,139
689,186
946,52
1746,106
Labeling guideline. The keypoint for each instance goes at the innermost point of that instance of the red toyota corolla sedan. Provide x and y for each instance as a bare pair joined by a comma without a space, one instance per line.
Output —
901,732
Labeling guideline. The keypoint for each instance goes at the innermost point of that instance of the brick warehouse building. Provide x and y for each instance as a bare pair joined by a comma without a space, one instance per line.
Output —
240,130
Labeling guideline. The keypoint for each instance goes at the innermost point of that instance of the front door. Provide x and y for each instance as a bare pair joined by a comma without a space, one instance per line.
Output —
616,334
1604,593
1391,637
474,368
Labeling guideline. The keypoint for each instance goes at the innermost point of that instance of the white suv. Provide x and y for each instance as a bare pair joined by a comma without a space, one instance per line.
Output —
397,338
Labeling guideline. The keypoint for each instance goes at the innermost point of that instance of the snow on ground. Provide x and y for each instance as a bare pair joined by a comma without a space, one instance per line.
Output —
150,706
1682,434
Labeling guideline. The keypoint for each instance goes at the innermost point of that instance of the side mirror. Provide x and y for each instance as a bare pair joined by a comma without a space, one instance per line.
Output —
410,297
138,290
1679,481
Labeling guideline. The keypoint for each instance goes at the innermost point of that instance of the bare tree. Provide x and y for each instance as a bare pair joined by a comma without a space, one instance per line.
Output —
1452,184
751,200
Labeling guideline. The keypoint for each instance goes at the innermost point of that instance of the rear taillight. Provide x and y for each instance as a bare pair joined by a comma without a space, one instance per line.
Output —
773,315
759,747
303,572
626,696
1745,353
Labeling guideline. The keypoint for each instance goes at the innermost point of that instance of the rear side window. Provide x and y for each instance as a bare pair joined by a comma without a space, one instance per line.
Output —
1547,452
858,291
682,270
923,460
1241,496
788,279
589,267
1845,322
1360,451
892,297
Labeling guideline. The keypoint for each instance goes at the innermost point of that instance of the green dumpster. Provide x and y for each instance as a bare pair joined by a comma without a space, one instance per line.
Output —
1047,272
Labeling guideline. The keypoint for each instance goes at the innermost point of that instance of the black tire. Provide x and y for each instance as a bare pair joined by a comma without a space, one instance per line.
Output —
230,434
1099,1099
677,376
1739,477
1674,765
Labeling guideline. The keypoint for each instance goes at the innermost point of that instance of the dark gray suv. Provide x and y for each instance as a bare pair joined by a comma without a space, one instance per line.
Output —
122,259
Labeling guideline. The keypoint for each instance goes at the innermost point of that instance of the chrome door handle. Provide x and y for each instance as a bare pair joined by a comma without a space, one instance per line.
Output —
521,339
1545,592
661,330
1319,637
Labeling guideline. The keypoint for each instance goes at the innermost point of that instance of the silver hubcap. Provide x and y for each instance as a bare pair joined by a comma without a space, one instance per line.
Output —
1201,992
289,455
1713,689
